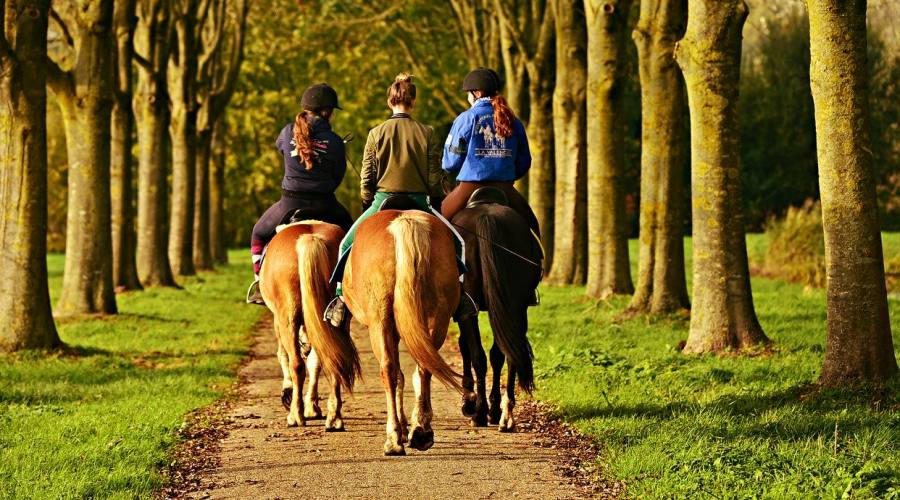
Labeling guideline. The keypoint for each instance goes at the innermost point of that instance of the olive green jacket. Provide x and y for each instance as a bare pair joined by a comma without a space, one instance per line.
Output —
401,156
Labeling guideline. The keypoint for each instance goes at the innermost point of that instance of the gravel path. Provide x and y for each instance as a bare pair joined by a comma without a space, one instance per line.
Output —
260,457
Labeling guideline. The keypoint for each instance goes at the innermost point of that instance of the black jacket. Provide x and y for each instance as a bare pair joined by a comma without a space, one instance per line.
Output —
329,160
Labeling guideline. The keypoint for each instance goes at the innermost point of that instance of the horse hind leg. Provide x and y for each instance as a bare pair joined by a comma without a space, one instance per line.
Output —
290,344
286,387
497,360
311,408
507,421
386,348
334,422
422,436
401,411
468,383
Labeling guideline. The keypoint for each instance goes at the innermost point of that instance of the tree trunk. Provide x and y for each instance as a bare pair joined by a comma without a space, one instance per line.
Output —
661,286
202,254
217,238
542,175
85,96
24,298
710,55
516,76
569,123
182,76
609,271
859,346
121,158
151,111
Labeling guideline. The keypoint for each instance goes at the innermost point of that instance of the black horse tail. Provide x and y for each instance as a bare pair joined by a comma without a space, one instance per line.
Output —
507,305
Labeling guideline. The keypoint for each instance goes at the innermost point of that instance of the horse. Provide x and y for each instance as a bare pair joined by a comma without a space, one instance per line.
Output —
294,284
503,257
402,282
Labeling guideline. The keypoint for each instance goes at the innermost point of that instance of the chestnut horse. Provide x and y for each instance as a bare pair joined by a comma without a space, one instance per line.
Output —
402,282
294,284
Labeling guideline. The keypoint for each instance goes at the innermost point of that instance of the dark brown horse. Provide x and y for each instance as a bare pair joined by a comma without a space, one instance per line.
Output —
294,285
504,259
402,282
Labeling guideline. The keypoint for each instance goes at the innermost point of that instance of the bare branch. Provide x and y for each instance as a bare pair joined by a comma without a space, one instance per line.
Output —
61,82
67,35
142,61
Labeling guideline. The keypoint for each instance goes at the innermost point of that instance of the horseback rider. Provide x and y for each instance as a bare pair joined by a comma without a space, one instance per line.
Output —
402,157
315,162
487,146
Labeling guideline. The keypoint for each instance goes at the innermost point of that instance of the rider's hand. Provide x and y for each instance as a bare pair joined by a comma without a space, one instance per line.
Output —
366,205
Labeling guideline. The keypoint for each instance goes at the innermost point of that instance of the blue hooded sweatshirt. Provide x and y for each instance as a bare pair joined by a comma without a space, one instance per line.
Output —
474,152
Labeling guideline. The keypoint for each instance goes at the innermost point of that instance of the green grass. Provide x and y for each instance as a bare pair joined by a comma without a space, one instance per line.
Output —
673,425
100,420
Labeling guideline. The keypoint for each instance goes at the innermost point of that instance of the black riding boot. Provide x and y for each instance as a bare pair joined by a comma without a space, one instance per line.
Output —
253,294
466,308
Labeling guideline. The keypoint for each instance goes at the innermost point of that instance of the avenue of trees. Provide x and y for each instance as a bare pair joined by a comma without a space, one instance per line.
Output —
633,108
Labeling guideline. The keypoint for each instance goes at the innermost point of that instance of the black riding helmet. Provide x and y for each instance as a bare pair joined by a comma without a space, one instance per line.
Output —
318,97
483,79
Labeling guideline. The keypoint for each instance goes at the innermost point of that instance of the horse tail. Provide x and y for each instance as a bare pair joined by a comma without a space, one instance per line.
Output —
507,313
335,349
412,243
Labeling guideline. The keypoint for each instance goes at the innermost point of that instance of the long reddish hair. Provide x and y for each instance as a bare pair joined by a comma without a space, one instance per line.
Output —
503,116
302,141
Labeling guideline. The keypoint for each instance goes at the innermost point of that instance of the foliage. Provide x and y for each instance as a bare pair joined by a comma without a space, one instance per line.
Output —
796,250
675,426
99,419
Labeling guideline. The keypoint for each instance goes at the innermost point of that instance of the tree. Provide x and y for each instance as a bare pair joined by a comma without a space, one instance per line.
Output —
859,346
709,55
479,30
24,297
85,96
218,242
151,45
609,271
121,157
531,27
515,70
219,68
569,123
661,285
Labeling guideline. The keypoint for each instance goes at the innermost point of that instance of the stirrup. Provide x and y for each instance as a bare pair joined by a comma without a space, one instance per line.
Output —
536,300
253,294
335,312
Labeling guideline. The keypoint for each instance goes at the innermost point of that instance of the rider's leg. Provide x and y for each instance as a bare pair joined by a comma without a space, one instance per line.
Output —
467,307
263,232
456,200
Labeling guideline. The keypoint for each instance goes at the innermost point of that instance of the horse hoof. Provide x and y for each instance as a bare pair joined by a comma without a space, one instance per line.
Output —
494,417
509,427
334,425
393,450
286,397
421,439
479,421
468,407
312,412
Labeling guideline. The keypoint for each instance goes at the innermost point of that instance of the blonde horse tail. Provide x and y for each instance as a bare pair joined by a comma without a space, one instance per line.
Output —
334,347
412,243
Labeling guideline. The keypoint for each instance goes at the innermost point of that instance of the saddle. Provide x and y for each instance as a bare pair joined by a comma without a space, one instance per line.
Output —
399,202
297,216
487,195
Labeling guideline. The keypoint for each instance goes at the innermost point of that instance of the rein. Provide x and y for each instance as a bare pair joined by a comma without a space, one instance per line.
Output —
526,259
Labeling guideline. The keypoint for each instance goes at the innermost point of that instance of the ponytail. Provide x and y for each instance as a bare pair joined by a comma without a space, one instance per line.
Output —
402,91
503,116
302,141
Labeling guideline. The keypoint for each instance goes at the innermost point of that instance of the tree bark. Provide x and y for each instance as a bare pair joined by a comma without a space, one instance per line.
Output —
125,275
569,125
859,346
661,285
151,111
202,255
217,238
609,271
709,55
85,96
182,76
516,74
24,297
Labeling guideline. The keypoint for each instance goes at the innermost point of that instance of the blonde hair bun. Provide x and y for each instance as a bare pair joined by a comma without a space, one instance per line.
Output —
403,77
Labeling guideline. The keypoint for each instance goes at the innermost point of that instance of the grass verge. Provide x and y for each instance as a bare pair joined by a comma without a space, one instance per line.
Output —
673,425
100,418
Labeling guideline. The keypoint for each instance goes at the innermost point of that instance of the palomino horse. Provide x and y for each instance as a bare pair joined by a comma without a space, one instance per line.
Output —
504,269
294,284
402,282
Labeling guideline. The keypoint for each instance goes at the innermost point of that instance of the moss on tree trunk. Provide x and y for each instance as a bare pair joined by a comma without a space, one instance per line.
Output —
85,96
24,298
609,271
859,346
722,316
569,125
661,285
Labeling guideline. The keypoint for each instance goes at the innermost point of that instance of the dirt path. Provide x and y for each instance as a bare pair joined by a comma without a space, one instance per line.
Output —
260,457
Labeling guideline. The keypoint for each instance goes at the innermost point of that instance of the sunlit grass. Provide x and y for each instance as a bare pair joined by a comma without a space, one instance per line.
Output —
673,425
99,420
